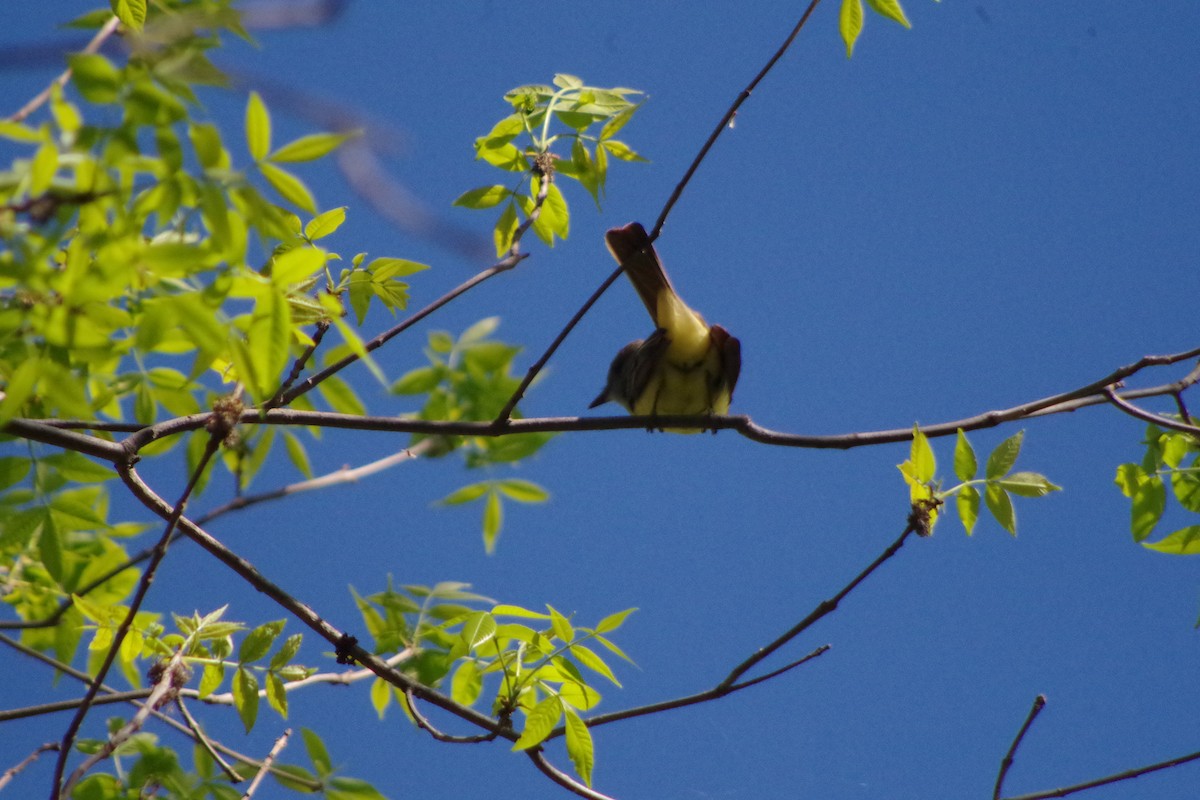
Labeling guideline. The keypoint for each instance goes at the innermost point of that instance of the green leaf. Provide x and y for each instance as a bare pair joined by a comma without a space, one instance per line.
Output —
560,625
967,503
850,23
258,641
466,683
245,697
381,695
890,9
613,621
1149,502
287,651
478,628
1000,504
1186,486
593,662
324,224
621,151
341,787
1004,456
965,463
258,128
538,724
340,397
288,186
1028,484
1129,478
418,381
297,265
17,132
277,694
493,518
506,610
98,80
13,470
466,494
43,168
297,454
387,268
317,754
523,491
483,197
506,226
1183,542
132,13
579,746
309,148
922,458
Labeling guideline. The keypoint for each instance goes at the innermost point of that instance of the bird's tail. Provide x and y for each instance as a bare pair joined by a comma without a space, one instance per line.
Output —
632,249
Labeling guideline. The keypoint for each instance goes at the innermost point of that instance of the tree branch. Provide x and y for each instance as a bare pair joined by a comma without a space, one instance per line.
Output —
303,613
280,743
730,683
102,35
172,518
1006,763
561,778
1146,416
1105,781
727,118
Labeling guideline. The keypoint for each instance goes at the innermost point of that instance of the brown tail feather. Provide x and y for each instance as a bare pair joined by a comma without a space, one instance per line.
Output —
632,249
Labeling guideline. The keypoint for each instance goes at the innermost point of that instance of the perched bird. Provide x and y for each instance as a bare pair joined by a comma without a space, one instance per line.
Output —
686,366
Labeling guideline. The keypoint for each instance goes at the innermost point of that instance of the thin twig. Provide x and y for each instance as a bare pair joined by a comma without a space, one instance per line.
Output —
133,698
13,771
1147,416
209,745
1006,763
102,35
162,692
731,683
725,120
334,478
302,612
825,608
298,365
424,724
1137,772
561,778
530,374
280,743
126,625
306,385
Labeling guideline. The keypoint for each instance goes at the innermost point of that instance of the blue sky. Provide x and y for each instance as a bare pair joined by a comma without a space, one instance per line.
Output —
995,206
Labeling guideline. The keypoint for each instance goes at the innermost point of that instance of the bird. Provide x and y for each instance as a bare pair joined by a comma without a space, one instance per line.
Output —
686,366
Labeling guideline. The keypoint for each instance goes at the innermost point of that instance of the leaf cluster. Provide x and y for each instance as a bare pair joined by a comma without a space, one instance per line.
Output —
999,483
533,141
1172,458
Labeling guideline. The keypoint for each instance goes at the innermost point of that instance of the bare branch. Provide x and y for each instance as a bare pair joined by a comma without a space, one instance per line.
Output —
727,118
163,691
280,743
335,478
1146,416
561,778
208,744
135,604
13,771
102,35
1137,772
731,683
1006,763
302,612
424,724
